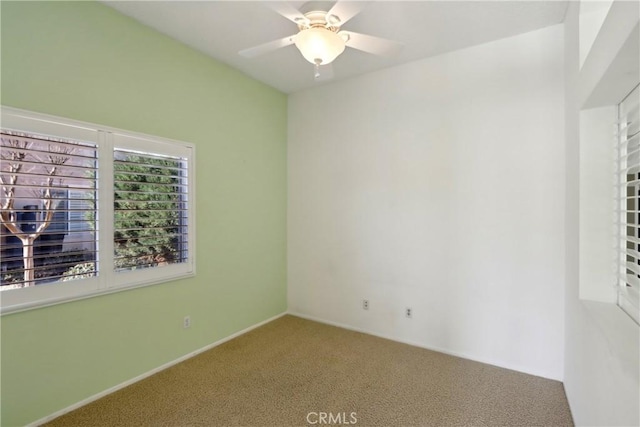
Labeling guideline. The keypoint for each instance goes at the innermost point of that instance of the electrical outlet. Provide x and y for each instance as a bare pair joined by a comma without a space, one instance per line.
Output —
186,323
408,312
365,304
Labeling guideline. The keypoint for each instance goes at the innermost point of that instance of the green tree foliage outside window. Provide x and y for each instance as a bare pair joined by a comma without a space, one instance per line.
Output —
149,211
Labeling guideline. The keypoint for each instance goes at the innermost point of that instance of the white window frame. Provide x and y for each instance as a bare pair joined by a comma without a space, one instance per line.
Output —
107,281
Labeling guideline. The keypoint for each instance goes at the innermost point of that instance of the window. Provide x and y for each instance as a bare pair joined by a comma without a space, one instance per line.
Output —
87,210
629,181
150,210
37,171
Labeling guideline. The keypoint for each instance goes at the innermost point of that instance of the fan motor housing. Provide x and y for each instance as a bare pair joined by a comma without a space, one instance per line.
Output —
319,19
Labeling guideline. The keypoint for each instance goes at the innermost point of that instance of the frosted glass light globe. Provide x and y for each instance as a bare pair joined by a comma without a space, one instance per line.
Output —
319,45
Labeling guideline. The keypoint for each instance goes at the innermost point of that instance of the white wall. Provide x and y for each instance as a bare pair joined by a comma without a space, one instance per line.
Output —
437,185
602,343
598,234
592,15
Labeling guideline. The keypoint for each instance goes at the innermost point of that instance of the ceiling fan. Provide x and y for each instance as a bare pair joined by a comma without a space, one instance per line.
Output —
320,38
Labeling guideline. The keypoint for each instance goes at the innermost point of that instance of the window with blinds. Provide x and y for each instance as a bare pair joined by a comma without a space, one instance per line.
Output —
87,210
150,210
40,243
629,181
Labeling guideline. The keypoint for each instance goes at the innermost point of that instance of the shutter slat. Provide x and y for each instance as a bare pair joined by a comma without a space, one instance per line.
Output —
631,266
632,253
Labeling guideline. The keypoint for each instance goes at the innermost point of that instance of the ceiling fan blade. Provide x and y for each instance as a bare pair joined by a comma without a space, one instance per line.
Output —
372,44
345,10
323,72
267,47
288,11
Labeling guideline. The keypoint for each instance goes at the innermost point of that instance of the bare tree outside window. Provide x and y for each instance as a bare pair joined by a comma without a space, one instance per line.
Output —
35,175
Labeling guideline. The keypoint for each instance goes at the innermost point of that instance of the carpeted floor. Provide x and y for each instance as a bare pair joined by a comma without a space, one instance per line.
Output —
298,372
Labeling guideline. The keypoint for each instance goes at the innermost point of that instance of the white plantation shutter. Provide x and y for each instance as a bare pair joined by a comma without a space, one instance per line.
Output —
629,182
150,210
35,169
124,209
154,216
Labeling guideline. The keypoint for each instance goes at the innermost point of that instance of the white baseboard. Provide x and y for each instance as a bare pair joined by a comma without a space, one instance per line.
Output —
149,373
426,347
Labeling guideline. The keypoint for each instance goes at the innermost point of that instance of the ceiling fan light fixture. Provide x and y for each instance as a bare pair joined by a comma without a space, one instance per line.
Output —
319,44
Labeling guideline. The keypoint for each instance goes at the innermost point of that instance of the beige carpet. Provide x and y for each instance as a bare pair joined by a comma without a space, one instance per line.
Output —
298,372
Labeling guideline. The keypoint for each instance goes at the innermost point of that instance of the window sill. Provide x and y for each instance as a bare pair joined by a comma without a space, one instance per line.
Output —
18,308
619,330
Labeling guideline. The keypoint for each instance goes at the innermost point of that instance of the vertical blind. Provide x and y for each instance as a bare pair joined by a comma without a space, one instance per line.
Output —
150,210
629,183
42,178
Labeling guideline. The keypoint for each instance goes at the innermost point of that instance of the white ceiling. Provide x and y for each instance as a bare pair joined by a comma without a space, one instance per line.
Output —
426,28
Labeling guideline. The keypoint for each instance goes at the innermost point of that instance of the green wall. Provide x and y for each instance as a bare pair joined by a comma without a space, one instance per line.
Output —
85,61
